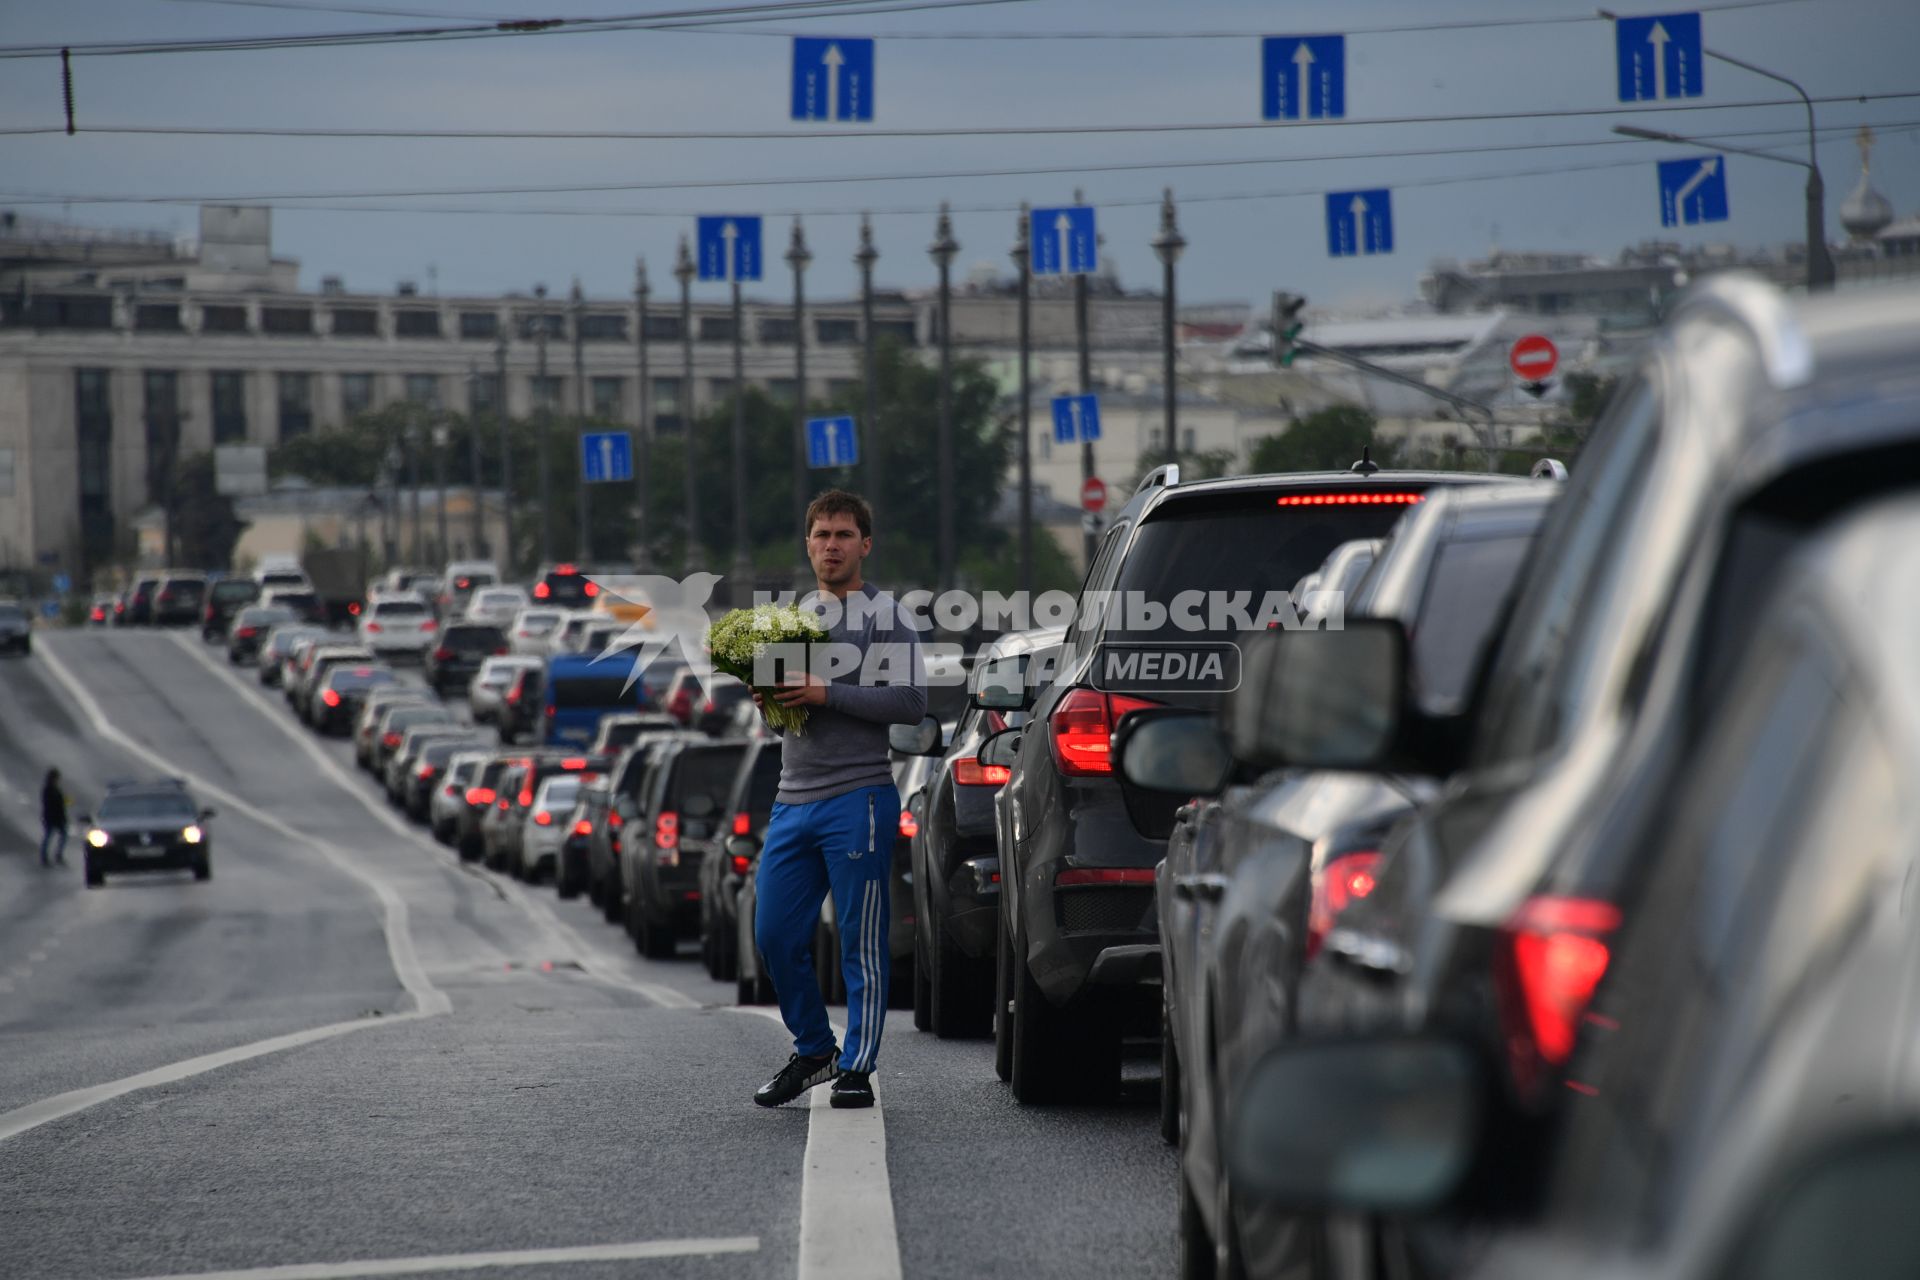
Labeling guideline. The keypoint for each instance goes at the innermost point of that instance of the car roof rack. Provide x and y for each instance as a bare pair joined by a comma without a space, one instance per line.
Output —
1165,476
1549,469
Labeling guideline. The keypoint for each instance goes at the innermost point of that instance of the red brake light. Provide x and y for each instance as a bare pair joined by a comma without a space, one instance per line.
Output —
1341,883
742,864
513,695
391,740
245,633
503,802
330,696
1082,730
1350,499
1104,875
666,831
908,827
428,626
461,584
426,772
480,795
354,608
541,591
543,819
573,762
373,628
583,828
442,654
969,772
526,797
1556,953
743,824
565,570
593,589
614,820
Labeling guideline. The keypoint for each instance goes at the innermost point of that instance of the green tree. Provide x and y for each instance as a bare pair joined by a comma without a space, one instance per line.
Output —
1326,440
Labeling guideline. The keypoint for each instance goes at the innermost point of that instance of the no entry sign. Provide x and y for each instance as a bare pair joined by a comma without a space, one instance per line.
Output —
1093,494
1533,358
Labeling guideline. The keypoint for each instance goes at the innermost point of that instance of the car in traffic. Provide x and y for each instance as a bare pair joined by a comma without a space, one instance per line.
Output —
398,626
495,606
532,628
487,690
398,775
225,598
422,774
481,795
100,609
276,646
570,633
342,691
16,628
147,826
136,602
618,732
579,691
461,775
578,824
566,586
179,600
366,725
459,580
458,650
523,704
312,667
626,790
249,627
743,827
677,827
538,854
304,601
394,722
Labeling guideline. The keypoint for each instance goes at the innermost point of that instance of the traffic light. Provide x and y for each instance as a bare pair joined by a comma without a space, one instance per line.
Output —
1286,326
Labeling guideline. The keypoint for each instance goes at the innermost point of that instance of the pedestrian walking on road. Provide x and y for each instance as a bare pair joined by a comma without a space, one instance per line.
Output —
53,819
836,812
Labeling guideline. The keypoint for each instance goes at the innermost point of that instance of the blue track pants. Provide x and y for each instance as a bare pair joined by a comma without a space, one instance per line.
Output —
844,844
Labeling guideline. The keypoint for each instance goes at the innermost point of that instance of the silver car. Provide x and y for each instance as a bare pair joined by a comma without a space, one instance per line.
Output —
488,688
546,826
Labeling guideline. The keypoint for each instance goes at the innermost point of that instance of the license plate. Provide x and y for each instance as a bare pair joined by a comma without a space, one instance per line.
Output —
146,851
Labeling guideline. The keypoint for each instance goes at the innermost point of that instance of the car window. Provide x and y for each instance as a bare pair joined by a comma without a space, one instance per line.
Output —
150,806
1581,554
12,613
473,637
235,589
399,608
707,773
1463,601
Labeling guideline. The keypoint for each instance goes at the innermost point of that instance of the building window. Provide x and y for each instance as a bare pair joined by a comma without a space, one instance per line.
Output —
663,328
286,320
832,331
546,393
716,328
416,322
552,323
607,395
776,329
356,393
93,416
55,311
296,404
603,326
782,389
669,413
423,389
901,331
90,394
483,393
356,322
479,324
229,406
223,319
162,393
163,317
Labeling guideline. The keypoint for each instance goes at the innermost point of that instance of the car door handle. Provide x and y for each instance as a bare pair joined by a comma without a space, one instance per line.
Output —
1201,888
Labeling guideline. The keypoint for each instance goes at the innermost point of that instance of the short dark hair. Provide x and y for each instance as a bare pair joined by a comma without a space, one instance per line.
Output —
838,502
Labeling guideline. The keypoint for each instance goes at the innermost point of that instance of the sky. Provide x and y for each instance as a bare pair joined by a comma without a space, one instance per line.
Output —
1252,227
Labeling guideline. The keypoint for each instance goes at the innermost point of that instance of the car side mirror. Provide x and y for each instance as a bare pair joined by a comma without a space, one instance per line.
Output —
921,739
205,814
1003,748
742,847
1386,1125
1321,699
1174,750
1000,684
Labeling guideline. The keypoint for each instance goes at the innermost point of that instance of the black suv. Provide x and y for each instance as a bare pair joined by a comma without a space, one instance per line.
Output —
1185,573
147,826
459,650
678,827
626,792
748,809
224,599
179,600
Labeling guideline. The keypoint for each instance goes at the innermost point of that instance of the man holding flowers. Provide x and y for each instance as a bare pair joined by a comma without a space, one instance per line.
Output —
837,811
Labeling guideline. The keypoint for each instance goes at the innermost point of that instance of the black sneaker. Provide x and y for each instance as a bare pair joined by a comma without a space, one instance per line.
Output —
799,1075
852,1089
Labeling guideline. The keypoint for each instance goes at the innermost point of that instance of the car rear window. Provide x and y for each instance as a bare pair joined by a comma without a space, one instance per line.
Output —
473,637
591,691
706,771
232,589
399,608
765,782
185,587
355,679
163,806
407,717
1464,601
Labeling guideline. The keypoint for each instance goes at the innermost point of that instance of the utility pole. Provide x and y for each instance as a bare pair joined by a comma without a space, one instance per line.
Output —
1167,245
683,270
942,251
542,396
415,556
1023,268
440,436
643,444
798,256
506,451
742,558
864,258
1086,379
473,459
584,548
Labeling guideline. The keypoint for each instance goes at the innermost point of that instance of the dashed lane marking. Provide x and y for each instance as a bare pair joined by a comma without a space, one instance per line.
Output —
484,1261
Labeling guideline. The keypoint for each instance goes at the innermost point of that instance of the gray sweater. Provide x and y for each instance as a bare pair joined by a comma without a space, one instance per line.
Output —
844,747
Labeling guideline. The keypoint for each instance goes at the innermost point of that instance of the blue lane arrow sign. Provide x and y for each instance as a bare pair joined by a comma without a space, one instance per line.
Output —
606,457
1076,419
1359,222
1064,242
1693,191
1303,77
729,248
1659,57
832,442
832,79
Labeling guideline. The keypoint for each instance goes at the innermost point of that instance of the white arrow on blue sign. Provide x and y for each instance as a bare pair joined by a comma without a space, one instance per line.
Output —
1303,77
1359,222
832,79
1659,57
606,457
729,248
832,442
1064,241
1693,191
1076,419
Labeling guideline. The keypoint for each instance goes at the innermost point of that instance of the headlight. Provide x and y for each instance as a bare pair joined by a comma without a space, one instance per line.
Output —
97,838
191,835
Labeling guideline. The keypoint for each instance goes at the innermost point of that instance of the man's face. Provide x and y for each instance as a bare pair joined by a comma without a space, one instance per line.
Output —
836,549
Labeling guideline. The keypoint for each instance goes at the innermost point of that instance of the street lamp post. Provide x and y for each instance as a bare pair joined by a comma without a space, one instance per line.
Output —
742,559
1023,267
583,501
441,435
1167,245
942,251
502,416
1083,342
798,256
864,258
473,459
540,426
415,556
683,271
643,471
390,518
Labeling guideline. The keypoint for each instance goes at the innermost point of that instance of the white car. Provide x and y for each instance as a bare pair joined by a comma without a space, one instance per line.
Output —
546,828
572,632
450,793
488,688
498,606
532,628
398,624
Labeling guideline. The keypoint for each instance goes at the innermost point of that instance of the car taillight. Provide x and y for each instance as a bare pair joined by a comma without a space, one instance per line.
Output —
513,697
908,827
541,591
442,654
426,772
593,589
1341,883
614,820
246,633
572,763
353,608
1104,875
1350,500
477,796
526,797
742,864
666,831
583,828
501,652
390,740
543,819
743,824
99,614
373,628
969,772
550,711
682,705
453,789
429,626
1554,953
1081,729
330,697
502,804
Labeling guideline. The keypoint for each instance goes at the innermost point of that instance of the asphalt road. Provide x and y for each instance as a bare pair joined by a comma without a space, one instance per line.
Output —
496,1084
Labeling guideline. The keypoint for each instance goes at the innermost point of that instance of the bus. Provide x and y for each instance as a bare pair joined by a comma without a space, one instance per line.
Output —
580,689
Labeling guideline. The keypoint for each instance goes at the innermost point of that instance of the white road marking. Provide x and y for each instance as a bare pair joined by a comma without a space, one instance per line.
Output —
565,942
484,1261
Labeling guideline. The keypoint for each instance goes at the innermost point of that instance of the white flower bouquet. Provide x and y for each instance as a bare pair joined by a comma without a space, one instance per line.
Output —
740,638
